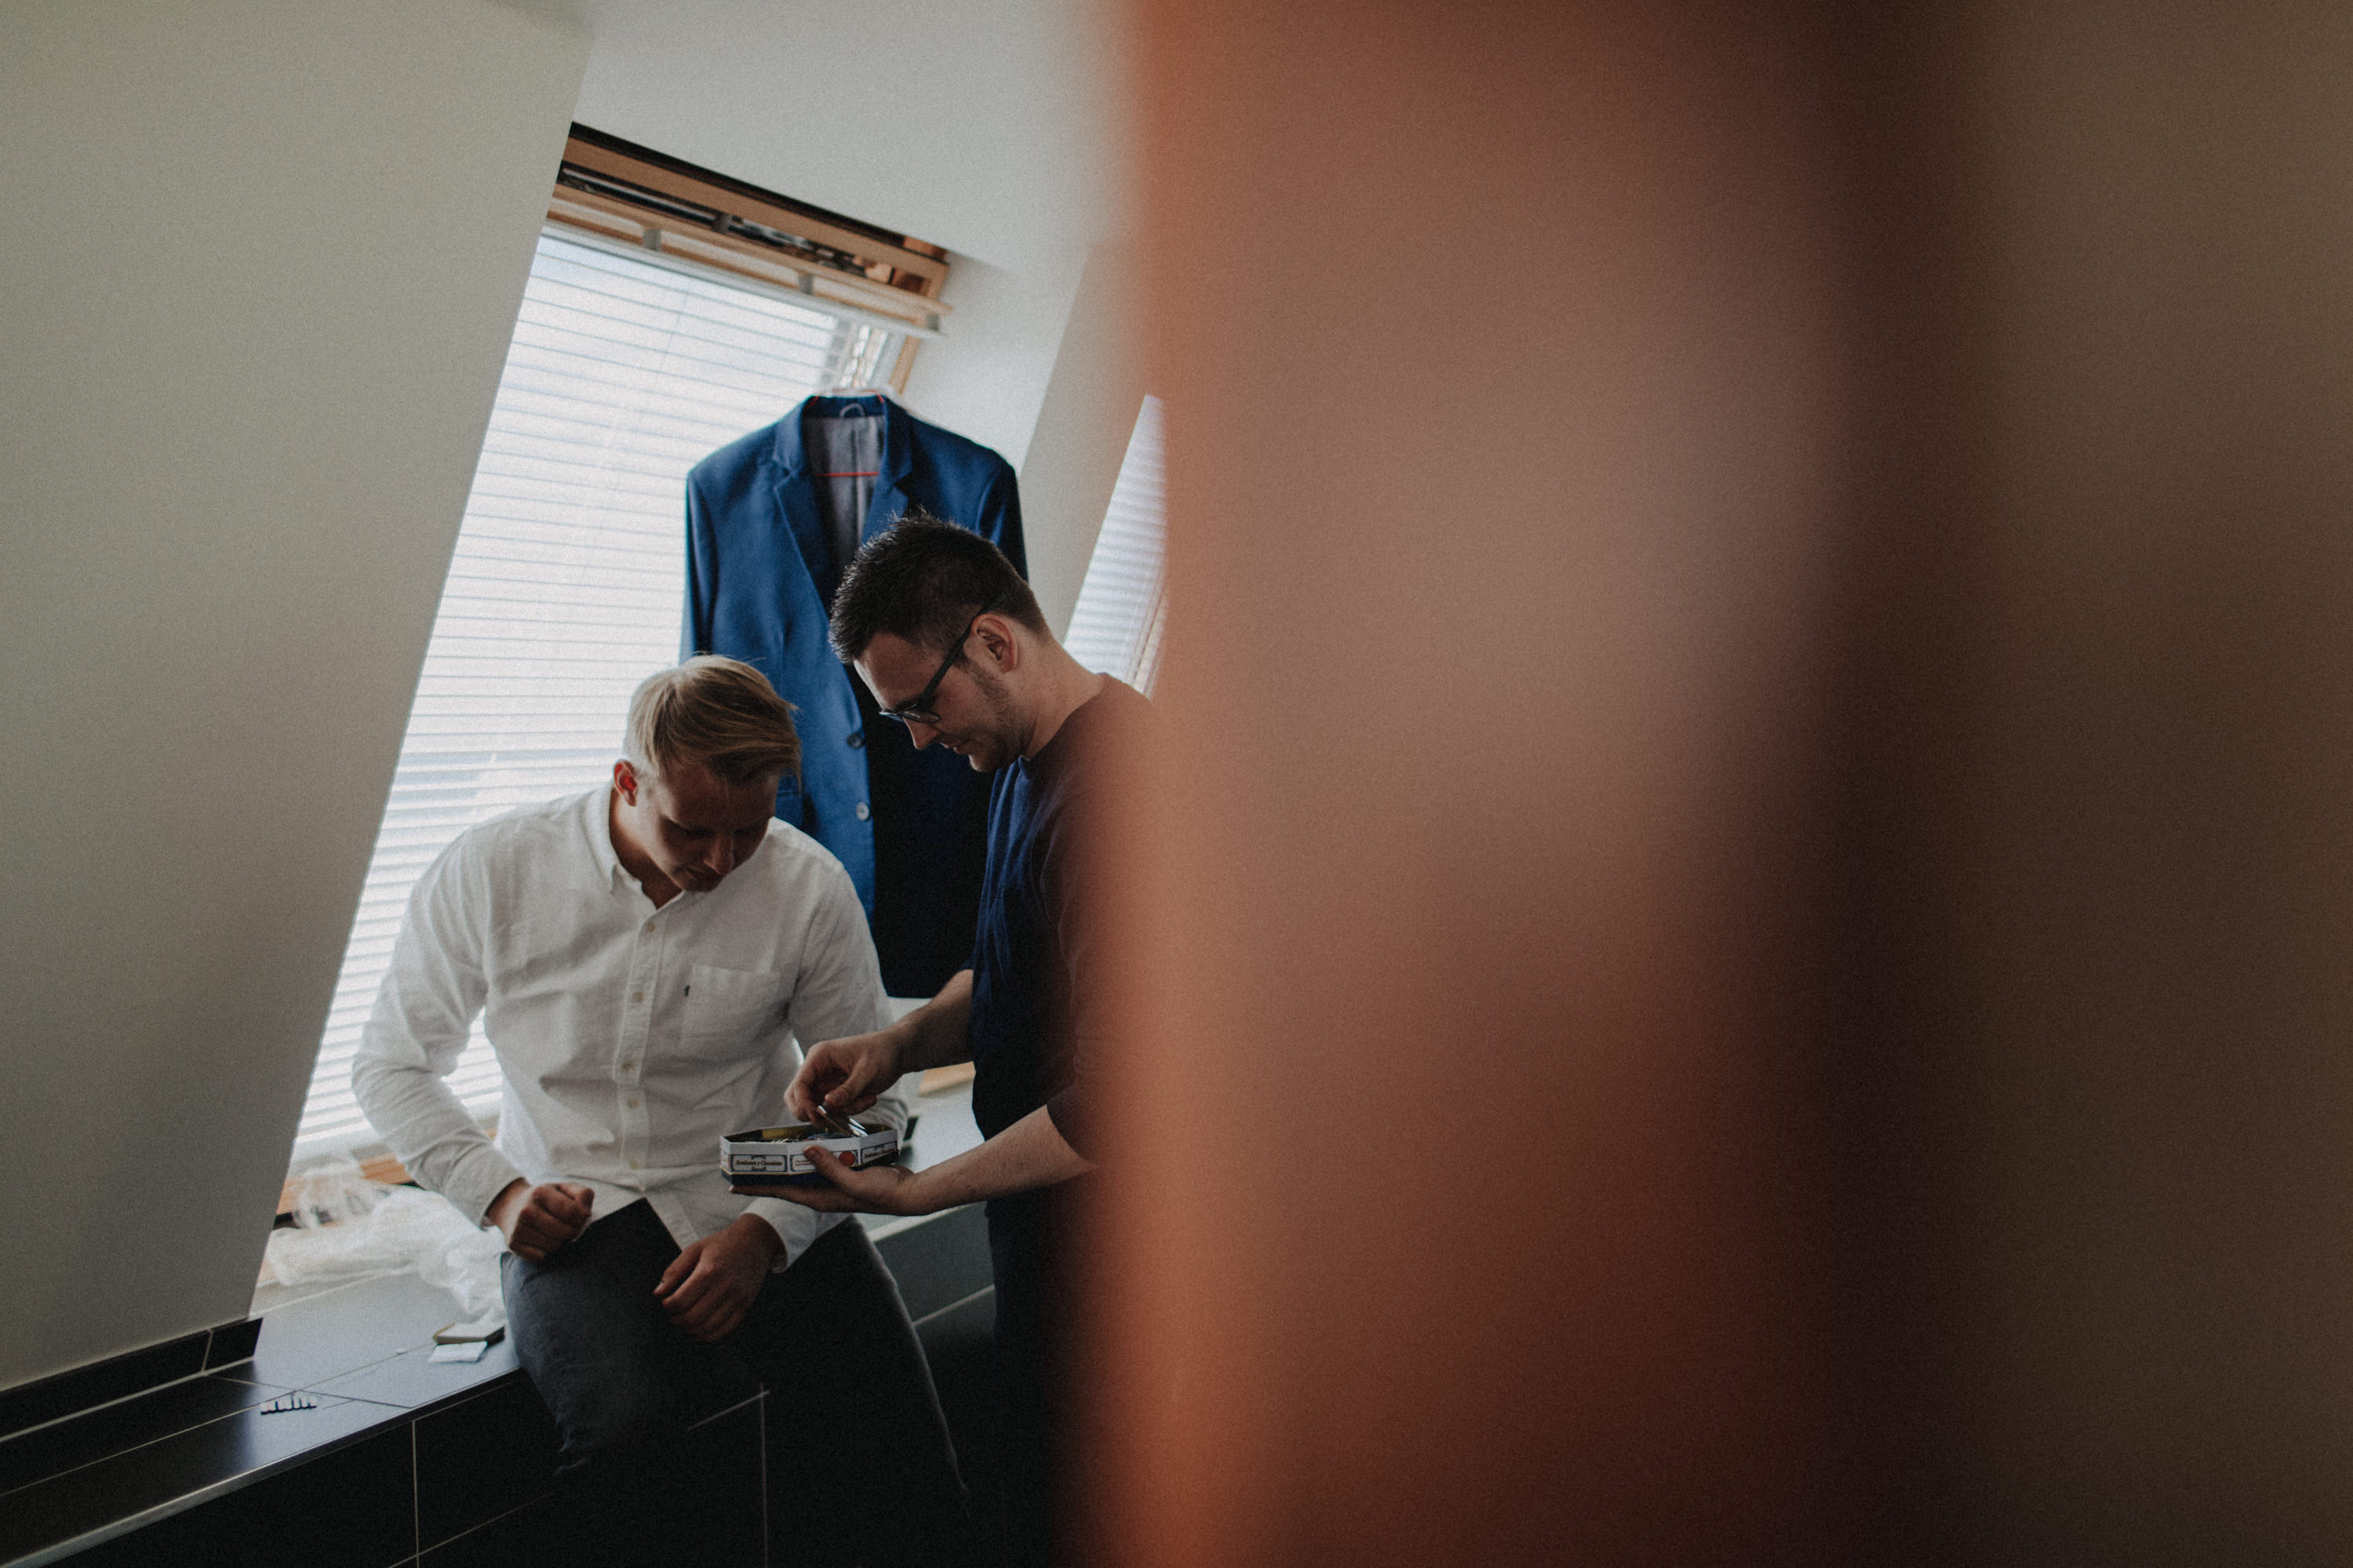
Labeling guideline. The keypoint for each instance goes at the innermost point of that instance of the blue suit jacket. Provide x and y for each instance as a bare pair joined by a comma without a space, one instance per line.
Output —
911,827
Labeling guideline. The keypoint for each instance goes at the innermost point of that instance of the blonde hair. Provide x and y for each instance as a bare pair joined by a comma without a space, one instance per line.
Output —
720,712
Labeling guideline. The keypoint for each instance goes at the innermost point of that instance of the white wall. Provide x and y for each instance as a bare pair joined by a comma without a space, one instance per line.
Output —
1044,369
992,127
1083,424
263,265
987,377
986,126
252,341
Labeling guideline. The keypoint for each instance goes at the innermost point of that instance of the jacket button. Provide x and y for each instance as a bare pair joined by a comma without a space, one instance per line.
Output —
862,811
856,739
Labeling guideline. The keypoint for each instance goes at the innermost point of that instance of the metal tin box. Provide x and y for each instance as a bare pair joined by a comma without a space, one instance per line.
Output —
780,1155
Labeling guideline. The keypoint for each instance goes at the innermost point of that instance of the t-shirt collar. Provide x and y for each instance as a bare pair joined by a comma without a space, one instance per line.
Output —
1078,721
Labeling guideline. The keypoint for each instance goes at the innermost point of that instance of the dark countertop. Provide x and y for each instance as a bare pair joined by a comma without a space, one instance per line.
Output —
358,1352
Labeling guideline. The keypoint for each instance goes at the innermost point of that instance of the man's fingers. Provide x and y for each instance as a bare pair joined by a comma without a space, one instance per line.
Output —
535,1230
547,1217
819,1072
859,1081
690,1291
829,1200
715,1319
806,1095
825,1200
566,1205
837,1198
698,1317
712,1315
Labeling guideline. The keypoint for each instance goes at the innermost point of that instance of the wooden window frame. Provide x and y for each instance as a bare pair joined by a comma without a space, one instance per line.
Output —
620,191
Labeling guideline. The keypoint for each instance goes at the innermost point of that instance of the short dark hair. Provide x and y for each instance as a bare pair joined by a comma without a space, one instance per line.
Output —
923,580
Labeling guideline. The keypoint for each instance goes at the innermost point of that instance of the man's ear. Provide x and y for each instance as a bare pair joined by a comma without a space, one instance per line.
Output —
625,781
995,632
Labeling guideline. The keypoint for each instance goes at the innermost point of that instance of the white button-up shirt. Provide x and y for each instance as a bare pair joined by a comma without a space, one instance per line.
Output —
633,1038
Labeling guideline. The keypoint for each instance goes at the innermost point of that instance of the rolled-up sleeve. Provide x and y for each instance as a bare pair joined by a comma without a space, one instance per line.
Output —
424,1012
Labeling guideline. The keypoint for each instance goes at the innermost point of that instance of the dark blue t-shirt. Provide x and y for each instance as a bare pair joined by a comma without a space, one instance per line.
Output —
1038,959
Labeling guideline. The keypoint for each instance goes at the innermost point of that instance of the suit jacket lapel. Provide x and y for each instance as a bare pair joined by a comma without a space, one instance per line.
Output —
890,500
796,499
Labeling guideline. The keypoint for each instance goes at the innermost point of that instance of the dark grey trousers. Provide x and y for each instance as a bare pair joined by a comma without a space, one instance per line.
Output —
829,1339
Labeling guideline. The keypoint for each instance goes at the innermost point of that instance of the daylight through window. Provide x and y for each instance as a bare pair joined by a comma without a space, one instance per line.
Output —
564,589
1122,604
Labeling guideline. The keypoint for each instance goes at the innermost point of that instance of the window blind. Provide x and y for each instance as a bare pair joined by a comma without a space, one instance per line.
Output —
1115,627
566,586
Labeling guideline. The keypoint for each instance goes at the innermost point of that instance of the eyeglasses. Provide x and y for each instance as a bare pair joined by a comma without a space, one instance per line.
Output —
918,708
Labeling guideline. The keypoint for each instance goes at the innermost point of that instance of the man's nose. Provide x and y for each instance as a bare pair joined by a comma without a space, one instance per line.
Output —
721,857
922,734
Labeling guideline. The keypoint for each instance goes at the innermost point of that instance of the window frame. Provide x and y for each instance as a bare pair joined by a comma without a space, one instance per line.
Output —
868,280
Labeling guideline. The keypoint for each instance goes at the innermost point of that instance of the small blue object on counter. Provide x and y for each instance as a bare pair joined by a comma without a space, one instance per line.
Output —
779,1156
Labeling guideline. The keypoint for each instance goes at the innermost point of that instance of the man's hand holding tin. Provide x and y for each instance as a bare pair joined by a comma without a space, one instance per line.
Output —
1027,1155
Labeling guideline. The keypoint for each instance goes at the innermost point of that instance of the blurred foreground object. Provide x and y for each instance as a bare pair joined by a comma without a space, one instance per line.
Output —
1758,598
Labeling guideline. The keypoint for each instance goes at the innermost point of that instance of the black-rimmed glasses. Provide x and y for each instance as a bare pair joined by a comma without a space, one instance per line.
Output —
918,710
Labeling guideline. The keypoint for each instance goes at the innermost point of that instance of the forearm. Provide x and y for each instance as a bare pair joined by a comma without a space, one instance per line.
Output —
760,1235
940,1031
1030,1154
417,1032
430,1131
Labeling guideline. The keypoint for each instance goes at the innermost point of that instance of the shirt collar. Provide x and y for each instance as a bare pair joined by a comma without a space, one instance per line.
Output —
599,803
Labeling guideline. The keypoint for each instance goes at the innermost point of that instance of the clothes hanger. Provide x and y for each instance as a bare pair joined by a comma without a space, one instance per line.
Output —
856,412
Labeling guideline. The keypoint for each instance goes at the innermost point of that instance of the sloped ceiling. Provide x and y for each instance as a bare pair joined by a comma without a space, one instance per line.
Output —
983,125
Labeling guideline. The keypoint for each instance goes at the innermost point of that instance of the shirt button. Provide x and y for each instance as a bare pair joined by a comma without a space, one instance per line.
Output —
862,811
650,925
637,996
857,740
633,1102
628,1066
633,1164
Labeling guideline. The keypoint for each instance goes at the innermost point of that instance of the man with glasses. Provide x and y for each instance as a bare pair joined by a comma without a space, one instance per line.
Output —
952,644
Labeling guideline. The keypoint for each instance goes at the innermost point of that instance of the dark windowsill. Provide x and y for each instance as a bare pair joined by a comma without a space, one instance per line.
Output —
359,1353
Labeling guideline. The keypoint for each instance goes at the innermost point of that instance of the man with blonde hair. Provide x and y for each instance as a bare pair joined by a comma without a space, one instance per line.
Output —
647,958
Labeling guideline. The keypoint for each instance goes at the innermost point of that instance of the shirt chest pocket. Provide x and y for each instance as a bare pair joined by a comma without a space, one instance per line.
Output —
731,1012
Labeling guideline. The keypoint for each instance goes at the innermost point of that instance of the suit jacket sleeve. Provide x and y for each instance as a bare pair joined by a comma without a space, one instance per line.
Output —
999,518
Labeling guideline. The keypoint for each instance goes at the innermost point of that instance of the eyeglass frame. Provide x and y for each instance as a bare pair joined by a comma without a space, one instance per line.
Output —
918,708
